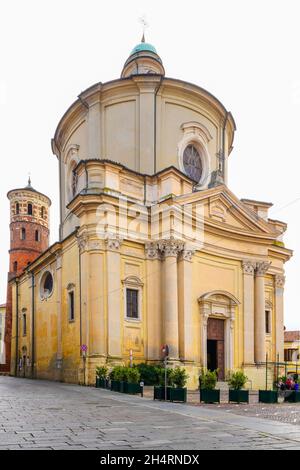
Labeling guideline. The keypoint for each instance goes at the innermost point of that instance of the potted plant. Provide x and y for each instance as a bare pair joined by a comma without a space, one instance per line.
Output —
132,385
160,390
149,373
273,396
208,382
101,376
115,376
179,392
236,382
122,375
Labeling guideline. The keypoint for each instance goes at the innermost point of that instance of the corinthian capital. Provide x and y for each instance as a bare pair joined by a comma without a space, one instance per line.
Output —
113,244
171,247
262,267
187,254
82,242
248,267
152,250
279,280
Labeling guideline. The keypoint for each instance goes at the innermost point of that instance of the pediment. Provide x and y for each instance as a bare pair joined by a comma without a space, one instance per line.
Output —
223,209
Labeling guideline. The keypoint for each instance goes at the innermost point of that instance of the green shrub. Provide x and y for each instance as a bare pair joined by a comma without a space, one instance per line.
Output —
118,373
208,379
170,377
101,372
149,373
180,377
133,375
237,380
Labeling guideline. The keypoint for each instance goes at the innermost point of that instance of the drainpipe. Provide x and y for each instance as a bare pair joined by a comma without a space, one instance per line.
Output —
17,327
80,295
32,325
223,146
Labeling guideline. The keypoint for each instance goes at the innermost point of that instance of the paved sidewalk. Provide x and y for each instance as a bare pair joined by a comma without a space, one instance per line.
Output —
49,415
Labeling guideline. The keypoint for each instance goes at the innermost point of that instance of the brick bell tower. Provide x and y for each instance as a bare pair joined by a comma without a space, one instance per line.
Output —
29,238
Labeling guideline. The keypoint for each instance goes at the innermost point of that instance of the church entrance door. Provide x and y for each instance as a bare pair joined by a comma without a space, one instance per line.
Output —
215,346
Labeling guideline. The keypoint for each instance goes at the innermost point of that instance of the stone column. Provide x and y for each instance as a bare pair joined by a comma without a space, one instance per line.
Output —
97,321
279,320
229,350
84,320
186,332
113,264
259,315
170,249
248,282
147,87
154,308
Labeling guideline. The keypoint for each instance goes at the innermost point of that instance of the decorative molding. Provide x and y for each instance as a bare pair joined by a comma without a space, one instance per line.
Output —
171,247
279,280
70,286
262,267
113,244
248,267
152,250
82,242
187,255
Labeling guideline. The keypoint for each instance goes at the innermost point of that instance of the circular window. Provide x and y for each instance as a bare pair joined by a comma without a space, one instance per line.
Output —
192,162
46,285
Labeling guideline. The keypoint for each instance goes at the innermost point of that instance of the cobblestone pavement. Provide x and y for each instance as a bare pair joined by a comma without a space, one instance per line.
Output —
48,415
284,412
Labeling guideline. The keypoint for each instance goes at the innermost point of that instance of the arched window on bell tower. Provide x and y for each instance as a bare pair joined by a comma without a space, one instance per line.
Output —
29,209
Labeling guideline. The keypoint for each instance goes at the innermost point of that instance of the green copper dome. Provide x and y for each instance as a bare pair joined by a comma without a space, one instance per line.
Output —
143,46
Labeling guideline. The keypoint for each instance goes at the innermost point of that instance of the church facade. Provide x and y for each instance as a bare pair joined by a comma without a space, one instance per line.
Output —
154,248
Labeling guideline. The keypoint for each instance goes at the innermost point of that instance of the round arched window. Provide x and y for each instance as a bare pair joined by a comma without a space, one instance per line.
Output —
192,162
46,287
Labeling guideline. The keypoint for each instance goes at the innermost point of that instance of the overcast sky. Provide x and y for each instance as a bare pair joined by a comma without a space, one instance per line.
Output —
244,52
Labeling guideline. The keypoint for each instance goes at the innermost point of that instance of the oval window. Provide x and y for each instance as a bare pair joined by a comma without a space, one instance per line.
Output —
192,162
46,285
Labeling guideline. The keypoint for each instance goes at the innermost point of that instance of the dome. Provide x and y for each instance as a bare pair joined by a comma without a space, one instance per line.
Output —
143,60
144,46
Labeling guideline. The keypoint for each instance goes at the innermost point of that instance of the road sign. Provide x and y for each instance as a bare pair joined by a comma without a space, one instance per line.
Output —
165,350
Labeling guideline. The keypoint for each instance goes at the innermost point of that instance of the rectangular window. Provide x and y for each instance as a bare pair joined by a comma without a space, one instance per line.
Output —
24,325
268,323
132,310
71,306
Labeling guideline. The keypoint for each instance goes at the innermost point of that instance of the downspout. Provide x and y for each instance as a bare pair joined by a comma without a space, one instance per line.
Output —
80,294
223,146
32,325
17,327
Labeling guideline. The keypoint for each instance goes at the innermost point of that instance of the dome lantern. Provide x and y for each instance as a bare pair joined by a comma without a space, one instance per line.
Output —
143,60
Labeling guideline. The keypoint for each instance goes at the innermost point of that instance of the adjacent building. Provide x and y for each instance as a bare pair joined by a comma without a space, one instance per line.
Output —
2,333
292,350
